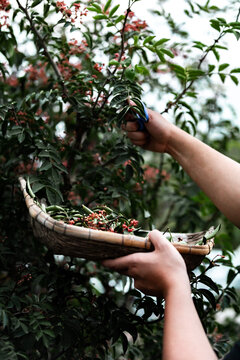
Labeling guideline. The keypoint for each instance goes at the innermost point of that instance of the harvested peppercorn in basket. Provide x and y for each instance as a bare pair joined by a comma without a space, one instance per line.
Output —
101,233
99,218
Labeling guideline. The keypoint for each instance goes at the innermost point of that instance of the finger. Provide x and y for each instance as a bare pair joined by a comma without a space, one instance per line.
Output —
130,126
137,136
157,239
119,264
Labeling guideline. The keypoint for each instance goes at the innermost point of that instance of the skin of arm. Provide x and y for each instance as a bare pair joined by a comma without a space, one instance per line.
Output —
216,174
163,273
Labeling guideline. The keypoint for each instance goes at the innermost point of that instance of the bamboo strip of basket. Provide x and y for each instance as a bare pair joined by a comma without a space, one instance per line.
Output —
130,241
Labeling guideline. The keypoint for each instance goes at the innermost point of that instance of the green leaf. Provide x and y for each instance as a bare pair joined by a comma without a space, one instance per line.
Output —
148,39
235,79
37,187
215,24
231,276
237,70
114,62
222,67
35,3
204,279
21,137
46,165
113,10
124,342
130,74
161,41
209,296
211,68
160,55
100,17
129,173
95,7
168,53
222,77
88,38
216,54
141,69
119,99
53,195
120,18
107,6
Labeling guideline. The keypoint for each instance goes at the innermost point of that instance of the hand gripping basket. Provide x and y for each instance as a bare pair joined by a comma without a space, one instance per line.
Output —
75,241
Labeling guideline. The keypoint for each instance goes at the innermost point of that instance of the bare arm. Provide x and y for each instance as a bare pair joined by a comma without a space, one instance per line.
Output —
163,273
217,175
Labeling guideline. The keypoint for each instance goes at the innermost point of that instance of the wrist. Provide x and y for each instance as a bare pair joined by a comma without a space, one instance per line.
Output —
179,287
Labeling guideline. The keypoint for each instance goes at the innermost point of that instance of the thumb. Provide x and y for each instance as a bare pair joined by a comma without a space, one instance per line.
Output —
157,239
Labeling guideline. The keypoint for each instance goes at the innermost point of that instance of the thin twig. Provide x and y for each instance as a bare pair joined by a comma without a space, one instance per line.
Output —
187,87
116,67
44,46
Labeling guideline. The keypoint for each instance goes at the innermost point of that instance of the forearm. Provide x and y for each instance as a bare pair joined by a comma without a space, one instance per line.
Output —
217,175
184,337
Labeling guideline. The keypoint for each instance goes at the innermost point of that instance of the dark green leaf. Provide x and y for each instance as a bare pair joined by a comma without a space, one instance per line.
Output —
204,279
35,3
222,67
209,296
235,79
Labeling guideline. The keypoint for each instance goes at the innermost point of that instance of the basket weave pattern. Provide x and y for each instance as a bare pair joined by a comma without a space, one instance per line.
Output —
75,241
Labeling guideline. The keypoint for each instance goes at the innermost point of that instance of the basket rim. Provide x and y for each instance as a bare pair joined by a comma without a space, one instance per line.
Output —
43,218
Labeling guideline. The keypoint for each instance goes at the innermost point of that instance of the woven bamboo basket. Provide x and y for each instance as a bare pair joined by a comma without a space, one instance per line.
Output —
75,241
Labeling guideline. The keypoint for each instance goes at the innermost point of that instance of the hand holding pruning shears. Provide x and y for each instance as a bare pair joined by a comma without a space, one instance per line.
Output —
147,128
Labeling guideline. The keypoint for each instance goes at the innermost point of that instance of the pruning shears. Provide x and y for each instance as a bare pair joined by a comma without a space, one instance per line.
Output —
140,119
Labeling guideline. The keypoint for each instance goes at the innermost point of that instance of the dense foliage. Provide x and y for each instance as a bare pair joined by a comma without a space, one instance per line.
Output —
66,72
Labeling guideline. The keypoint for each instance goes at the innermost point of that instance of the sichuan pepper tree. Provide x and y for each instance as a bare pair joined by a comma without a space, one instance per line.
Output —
67,71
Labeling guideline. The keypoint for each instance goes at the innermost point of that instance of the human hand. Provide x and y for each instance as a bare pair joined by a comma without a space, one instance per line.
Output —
157,132
157,272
